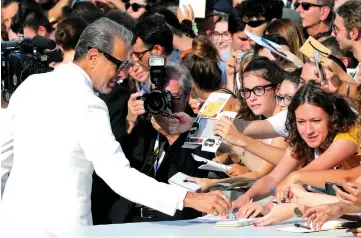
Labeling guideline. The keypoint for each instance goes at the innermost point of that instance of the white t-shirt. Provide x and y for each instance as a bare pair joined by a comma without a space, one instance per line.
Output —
278,123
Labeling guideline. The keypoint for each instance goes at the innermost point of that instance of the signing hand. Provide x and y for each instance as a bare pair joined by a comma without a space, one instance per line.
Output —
353,195
226,129
215,202
320,214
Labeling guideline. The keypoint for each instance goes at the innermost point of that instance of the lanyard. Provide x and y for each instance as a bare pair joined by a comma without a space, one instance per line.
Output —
153,162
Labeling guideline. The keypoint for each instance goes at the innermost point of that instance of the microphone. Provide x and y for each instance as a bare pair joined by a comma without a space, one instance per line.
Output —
10,44
43,42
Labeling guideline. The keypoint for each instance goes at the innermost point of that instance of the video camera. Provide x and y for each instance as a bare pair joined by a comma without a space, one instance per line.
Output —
159,100
20,59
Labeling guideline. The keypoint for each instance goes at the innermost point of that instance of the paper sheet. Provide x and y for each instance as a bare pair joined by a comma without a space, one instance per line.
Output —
330,225
179,178
275,48
307,48
210,165
198,6
224,221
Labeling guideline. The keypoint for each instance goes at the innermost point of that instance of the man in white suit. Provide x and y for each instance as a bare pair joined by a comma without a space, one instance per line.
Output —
61,133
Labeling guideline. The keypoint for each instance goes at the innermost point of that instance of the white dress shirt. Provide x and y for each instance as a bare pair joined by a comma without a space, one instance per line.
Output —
61,133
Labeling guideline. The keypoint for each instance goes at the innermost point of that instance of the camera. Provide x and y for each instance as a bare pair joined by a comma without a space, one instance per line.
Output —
20,59
159,100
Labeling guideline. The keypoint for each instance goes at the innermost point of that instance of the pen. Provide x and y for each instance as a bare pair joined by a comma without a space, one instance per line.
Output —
302,226
232,215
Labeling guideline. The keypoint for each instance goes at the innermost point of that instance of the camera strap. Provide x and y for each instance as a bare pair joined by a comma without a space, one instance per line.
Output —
153,163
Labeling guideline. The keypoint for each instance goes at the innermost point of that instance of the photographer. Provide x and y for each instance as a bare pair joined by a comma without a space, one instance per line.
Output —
152,36
155,152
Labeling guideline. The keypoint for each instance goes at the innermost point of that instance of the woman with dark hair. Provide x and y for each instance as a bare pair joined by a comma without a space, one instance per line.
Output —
266,76
202,63
88,11
136,8
67,35
260,81
322,135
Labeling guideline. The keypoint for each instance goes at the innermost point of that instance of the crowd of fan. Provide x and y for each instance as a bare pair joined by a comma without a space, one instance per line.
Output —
291,131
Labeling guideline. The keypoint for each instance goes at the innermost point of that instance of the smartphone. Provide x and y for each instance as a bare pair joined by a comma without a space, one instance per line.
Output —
331,191
316,55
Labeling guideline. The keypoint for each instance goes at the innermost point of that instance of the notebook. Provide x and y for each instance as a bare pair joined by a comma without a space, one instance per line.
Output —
179,180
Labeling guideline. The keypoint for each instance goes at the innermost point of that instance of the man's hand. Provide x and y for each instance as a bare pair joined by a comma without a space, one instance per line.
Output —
352,195
135,107
226,129
157,123
215,202
320,214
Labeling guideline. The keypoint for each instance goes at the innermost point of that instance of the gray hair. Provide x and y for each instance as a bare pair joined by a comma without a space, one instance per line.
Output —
185,78
101,34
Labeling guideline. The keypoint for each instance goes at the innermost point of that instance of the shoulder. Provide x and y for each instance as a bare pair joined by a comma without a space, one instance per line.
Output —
352,135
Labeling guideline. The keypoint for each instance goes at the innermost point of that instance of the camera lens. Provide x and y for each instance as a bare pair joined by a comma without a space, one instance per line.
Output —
155,102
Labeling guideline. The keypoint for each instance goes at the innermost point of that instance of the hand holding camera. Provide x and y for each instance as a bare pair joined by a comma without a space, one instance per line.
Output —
135,106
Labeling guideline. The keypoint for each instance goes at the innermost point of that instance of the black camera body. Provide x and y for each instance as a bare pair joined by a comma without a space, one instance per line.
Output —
159,100
20,59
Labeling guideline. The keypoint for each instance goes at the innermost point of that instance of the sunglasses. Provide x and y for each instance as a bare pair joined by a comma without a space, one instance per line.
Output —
306,5
256,23
135,6
119,64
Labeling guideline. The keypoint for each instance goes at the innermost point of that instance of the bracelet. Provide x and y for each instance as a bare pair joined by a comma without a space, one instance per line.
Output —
348,89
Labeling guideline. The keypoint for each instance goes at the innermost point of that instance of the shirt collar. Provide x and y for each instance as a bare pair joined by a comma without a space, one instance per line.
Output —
82,72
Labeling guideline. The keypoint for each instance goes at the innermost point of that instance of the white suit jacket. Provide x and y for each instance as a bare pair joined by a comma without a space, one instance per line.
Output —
61,133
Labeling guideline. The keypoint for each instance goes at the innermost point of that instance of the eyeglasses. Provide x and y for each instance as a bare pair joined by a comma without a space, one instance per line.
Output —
140,55
256,23
135,6
225,35
119,64
335,29
258,91
286,100
306,5
177,99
